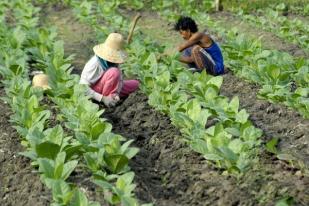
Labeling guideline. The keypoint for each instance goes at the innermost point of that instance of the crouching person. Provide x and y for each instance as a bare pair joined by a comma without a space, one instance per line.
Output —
199,51
102,74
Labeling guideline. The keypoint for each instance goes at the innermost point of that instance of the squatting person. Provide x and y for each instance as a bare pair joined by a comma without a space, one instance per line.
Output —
199,50
102,74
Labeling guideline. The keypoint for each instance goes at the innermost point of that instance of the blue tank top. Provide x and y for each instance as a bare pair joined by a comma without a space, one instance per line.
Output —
215,52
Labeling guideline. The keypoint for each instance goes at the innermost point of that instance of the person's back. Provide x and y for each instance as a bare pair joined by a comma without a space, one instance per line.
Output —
215,52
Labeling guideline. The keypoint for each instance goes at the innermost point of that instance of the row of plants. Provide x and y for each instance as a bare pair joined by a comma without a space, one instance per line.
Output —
30,118
284,79
190,100
293,30
301,9
286,7
81,138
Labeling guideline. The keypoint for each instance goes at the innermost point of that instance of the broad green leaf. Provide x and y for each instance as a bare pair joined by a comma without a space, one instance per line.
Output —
129,201
199,146
68,168
302,91
116,162
16,69
46,167
82,138
48,150
54,135
91,162
72,150
243,162
59,163
271,145
58,49
213,157
131,152
149,82
236,145
126,145
217,81
242,116
287,201
127,178
211,130
79,199
233,131
234,104
264,54
274,71
103,184
196,113
29,154
163,80
61,191
228,154
210,94
97,129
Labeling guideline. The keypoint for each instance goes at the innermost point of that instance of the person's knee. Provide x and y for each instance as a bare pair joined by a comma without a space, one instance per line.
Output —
187,52
196,48
137,83
113,73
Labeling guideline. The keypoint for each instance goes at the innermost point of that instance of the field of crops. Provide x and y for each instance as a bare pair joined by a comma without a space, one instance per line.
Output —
182,139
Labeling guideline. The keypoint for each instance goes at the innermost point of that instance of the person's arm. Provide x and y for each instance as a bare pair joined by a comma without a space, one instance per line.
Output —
195,38
186,59
90,74
94,95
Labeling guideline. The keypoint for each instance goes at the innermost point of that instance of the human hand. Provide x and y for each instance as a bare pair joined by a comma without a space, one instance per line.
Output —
116,97
110,101
179,48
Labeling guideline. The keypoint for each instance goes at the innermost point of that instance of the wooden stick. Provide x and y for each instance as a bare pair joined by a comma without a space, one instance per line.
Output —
218,5
136,18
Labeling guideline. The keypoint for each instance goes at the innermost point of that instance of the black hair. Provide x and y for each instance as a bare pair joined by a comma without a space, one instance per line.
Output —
185,23
111,64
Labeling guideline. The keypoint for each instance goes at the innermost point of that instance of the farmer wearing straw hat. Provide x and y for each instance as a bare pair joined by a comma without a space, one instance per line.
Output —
102,74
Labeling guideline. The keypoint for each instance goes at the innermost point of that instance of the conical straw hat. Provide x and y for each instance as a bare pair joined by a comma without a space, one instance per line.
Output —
111,50
40,81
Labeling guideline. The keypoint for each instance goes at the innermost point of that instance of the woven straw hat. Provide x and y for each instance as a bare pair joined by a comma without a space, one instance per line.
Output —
111,49
40,81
